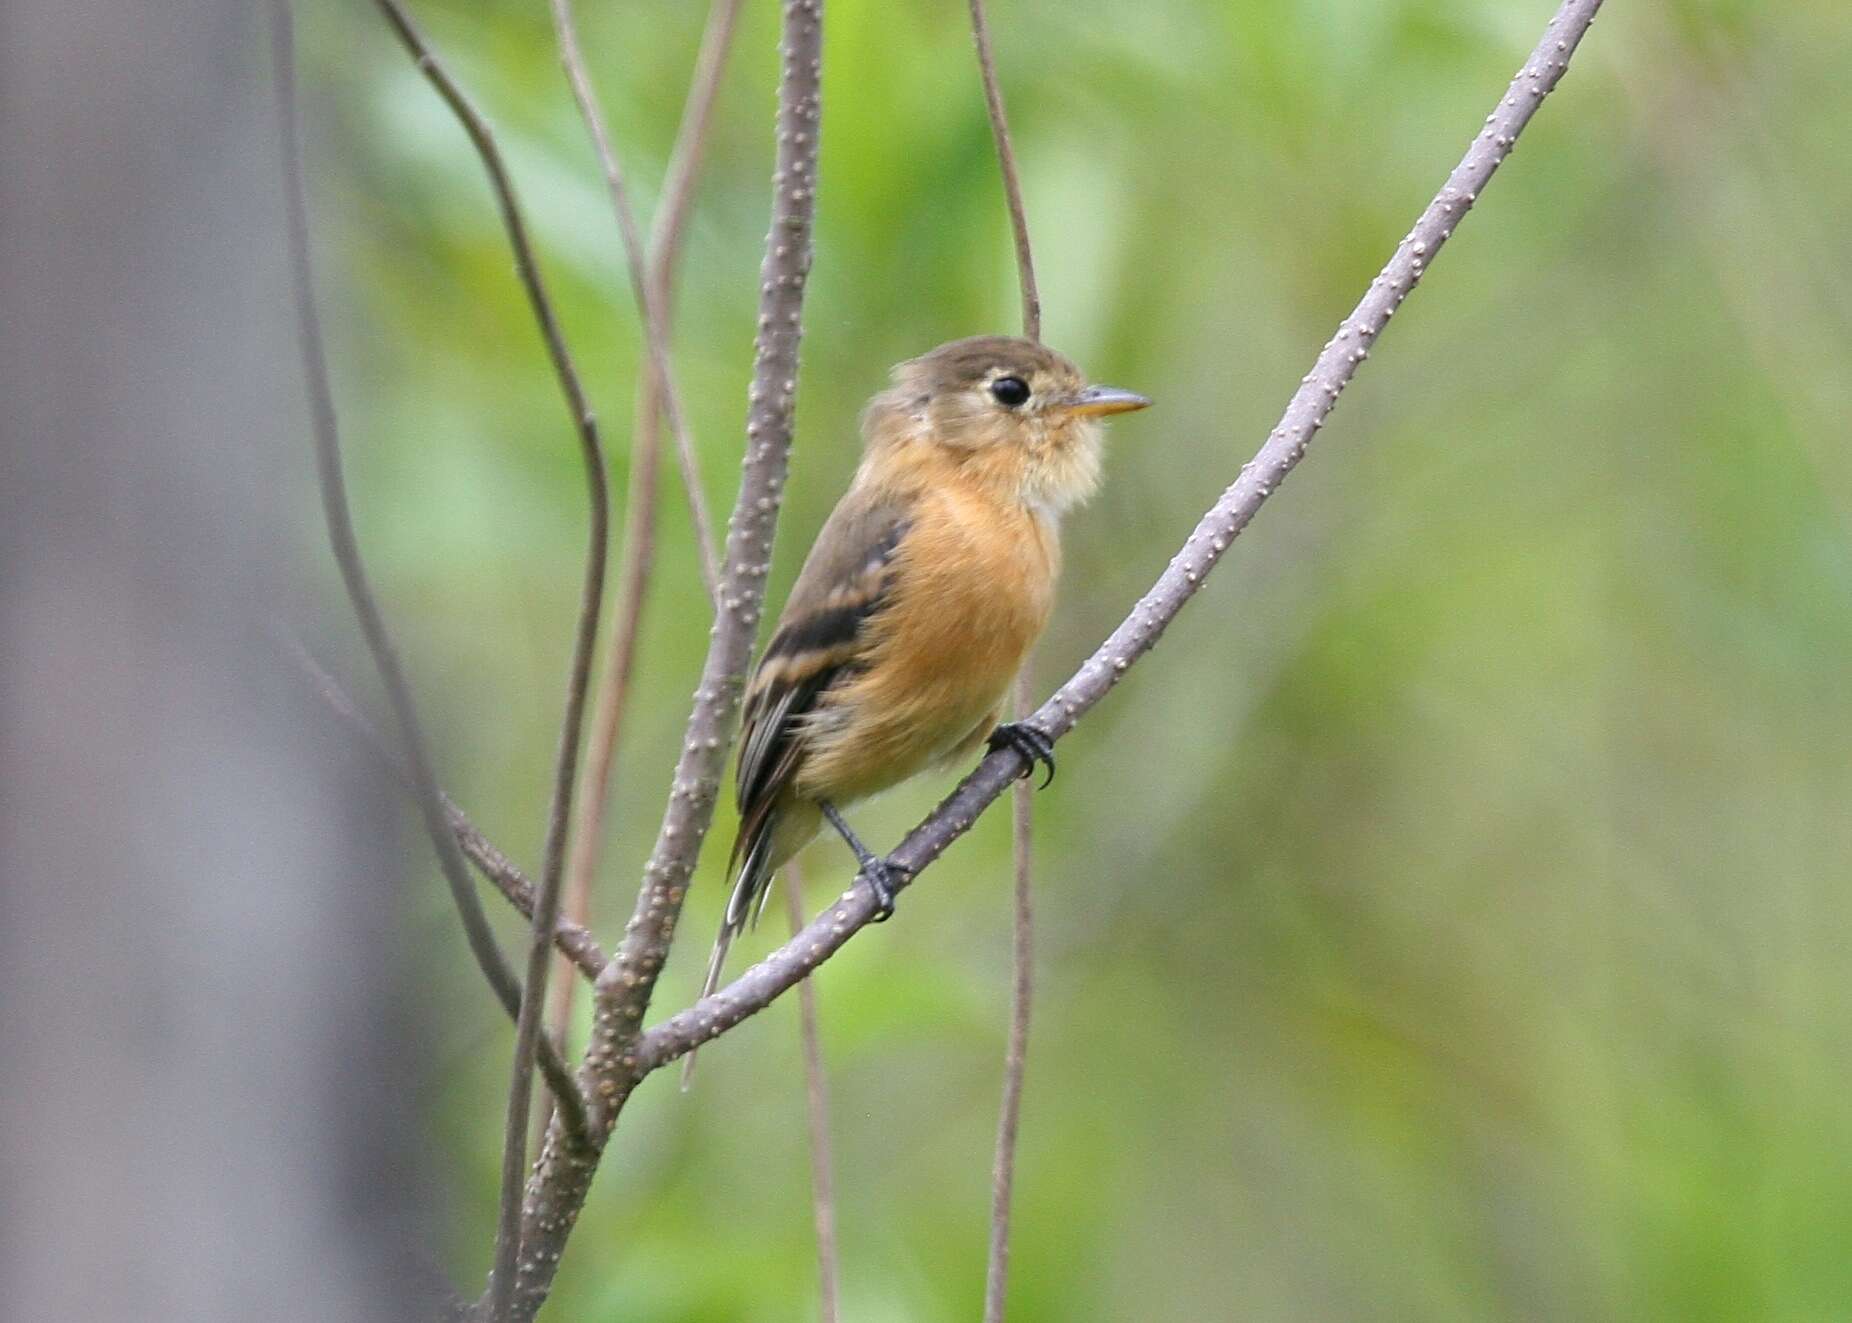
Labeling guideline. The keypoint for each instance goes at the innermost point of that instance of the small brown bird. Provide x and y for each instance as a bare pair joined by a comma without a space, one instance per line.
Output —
924,592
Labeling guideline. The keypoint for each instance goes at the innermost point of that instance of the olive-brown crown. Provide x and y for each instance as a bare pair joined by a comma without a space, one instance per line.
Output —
1010,413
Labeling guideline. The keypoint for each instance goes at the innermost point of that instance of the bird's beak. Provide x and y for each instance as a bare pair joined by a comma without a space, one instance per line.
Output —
1098,401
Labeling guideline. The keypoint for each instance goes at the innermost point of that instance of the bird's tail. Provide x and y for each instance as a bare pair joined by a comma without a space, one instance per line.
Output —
752,884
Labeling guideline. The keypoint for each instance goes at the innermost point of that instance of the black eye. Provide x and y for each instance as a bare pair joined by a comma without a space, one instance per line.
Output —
1009,391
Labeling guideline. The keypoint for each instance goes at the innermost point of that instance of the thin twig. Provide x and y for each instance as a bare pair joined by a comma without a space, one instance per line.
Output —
557,1191
346,548
817,1108
1022,989
626,986
1022,949
1311,404
684,172
655,331
638,556
1012,185
660,392
528,1036
573,941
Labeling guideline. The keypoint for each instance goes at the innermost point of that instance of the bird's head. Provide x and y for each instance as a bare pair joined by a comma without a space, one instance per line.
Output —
1010,412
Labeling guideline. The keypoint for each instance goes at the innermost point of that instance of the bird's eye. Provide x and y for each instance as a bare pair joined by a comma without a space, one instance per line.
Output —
1009,391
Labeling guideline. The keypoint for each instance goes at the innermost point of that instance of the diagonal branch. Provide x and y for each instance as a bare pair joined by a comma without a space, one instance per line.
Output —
346,548
528,1037
625,988
563,1176
655,329
572,940
638,557
1311,404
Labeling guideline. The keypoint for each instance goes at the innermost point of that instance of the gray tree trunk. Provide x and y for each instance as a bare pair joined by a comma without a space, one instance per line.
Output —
203,1078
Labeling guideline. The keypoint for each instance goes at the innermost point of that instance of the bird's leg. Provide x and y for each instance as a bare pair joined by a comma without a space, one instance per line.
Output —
880,873
1032,744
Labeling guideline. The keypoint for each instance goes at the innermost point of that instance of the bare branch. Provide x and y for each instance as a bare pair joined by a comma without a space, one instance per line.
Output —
572,940
528,1036
626,986
346,548
1022,990
1311,404
557,1191
1022,950
817,1108
1003,1167
655,332
678,186
638,556
1012,185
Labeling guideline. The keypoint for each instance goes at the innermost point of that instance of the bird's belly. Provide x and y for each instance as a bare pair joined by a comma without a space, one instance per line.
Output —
861,750
939,667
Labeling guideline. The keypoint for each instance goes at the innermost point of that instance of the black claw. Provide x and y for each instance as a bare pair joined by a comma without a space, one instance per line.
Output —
880,875
1032,744
883,877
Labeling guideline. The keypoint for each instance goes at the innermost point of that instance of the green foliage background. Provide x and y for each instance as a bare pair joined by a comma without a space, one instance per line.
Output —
1450,920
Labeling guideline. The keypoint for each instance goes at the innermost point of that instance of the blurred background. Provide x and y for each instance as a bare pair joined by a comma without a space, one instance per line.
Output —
1450,920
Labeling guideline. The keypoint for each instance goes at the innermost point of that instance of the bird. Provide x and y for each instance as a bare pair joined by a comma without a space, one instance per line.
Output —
918,603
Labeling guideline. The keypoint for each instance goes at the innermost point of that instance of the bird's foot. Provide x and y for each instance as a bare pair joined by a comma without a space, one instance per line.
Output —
1032,744
883,879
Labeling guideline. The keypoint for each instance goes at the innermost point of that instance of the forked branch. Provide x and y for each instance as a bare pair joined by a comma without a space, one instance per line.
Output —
620,1054
528,1037
345,545
1022,947
558,1189
625,990
570,939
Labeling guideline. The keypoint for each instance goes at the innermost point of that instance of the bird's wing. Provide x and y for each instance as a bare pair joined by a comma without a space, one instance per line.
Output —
820,636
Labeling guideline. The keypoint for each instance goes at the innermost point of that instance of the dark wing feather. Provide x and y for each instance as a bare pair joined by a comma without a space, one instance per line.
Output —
818,639
844,581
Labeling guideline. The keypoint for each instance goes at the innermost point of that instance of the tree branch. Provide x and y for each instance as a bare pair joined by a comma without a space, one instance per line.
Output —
572,940
626,987
1022,948
638,557
558,1188
619,1057
528,1037
1311,404
1006,161
817,1110
346,548
655,330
